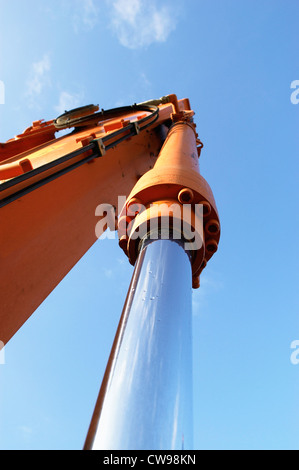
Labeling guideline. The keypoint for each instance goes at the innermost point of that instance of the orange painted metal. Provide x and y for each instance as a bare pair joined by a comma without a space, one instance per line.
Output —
175,179
45,232
37,134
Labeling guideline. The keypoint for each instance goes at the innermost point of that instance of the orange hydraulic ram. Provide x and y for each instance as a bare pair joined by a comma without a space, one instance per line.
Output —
50,188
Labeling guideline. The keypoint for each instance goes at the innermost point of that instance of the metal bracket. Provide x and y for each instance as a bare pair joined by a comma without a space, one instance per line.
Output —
137,127
100,146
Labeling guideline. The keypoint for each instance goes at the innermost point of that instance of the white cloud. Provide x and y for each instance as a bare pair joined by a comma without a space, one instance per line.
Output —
82,15
26,432
108,273
68,101
39,78
210,284
146,83
85,14
139,23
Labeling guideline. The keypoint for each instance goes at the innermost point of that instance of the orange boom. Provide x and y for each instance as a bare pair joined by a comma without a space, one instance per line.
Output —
50,188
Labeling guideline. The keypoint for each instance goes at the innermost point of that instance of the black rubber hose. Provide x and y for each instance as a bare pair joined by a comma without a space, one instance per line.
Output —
78,118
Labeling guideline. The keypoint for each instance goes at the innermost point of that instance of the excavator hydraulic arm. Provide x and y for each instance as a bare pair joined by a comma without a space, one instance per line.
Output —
50,188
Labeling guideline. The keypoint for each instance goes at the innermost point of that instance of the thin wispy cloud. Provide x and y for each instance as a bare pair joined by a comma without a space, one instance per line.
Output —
85,14
68,101
145,82
38,79
81,15
108,273
140,23
26,432
209,286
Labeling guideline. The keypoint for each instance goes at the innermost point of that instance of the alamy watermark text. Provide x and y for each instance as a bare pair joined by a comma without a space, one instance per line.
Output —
295,94
295,354
176,221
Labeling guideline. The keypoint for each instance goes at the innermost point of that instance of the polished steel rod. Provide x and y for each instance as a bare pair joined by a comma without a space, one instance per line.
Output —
145,401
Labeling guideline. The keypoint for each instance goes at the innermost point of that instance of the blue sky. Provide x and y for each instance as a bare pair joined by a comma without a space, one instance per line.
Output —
235,60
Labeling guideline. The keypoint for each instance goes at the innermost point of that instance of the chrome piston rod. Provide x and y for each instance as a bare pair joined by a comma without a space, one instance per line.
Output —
145,401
